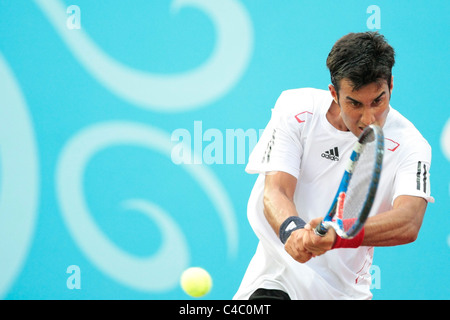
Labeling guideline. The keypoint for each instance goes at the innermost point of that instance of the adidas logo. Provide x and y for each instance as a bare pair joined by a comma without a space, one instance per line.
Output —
332,154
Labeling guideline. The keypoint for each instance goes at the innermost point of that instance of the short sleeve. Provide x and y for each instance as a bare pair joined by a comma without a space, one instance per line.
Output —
413,176
280,147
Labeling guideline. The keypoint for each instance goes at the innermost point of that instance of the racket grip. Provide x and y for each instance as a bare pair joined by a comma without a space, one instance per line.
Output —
320,230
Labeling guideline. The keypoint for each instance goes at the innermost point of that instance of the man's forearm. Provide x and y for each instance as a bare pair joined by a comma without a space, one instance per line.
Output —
277,208
398,226
279,205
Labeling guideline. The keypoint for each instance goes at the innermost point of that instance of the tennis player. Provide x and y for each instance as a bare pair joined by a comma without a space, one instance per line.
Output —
300,159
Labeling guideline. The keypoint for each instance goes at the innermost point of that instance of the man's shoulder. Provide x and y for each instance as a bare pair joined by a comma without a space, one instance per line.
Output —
305,93
402,134
302,100
397,122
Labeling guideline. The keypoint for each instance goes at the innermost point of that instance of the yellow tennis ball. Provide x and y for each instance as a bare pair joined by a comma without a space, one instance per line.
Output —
196,282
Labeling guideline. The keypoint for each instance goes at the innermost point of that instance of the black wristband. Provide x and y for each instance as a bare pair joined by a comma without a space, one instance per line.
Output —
289,225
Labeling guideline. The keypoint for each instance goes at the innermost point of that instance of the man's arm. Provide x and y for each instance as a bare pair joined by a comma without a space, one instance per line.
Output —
398,226
279,191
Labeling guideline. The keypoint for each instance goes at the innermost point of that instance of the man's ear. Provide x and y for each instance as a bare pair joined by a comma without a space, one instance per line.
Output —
333,93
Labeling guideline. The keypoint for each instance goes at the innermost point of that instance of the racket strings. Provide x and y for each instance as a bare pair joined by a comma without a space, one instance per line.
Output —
359,186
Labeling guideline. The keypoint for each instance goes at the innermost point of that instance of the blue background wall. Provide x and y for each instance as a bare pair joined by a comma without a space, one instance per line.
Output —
94,99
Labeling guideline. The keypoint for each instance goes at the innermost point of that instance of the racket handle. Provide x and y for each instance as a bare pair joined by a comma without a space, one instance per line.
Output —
320,230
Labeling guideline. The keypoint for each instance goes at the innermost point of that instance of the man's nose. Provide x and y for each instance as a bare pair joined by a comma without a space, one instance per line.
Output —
367,117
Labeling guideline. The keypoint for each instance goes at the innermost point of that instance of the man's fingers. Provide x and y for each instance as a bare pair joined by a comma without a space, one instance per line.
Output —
294,246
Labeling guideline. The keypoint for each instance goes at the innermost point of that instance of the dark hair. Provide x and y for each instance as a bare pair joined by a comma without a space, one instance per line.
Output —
362,58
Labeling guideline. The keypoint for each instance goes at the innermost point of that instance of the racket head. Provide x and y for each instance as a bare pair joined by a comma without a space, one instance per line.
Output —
356,193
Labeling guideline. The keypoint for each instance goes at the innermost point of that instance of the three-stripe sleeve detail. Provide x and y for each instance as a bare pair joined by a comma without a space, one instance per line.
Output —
421,175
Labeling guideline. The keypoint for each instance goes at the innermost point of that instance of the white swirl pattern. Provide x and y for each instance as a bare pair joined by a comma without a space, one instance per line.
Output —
173,256
155,92
194,89
445,143
19,179
168,93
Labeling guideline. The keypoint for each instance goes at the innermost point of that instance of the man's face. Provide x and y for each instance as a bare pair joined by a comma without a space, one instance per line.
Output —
363,107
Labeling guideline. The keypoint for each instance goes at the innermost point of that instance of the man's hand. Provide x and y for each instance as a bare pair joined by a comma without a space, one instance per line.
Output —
294,246
314,244
304,244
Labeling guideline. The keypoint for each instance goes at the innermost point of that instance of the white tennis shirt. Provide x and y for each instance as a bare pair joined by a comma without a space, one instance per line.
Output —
299,140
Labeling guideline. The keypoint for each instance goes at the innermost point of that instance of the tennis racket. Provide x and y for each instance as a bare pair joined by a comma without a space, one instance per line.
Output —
356,193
